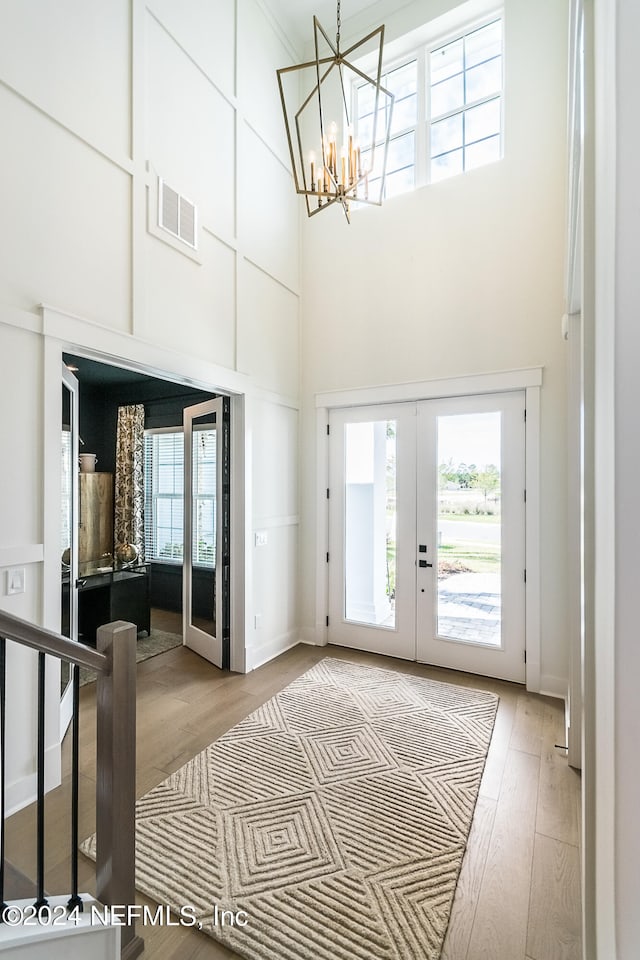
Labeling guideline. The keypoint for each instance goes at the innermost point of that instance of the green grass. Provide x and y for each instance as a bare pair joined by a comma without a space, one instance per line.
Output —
480,558
473,517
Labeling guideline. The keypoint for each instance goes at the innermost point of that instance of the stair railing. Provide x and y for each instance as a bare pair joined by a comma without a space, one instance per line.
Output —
114,661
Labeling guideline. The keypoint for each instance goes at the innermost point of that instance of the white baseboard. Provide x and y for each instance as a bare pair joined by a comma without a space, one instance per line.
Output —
553,686
24,791
262,653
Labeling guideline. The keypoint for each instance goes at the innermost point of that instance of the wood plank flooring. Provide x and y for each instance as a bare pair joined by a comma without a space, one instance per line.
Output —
518,897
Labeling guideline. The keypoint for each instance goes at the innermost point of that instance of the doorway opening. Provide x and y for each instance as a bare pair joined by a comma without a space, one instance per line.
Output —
140,576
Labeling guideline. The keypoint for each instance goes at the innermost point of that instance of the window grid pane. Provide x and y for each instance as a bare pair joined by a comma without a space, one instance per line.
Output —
466,102
462,113
403,83
164,496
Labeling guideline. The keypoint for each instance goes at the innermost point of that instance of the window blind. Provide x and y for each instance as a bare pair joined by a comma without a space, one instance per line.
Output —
164,495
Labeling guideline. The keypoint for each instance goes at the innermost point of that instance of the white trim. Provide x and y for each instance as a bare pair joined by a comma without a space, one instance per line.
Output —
241,572
133,353
551,686
528,379
22,792
495,382
257,655
270,523
66,333
532,538
320,634
27,553
27,320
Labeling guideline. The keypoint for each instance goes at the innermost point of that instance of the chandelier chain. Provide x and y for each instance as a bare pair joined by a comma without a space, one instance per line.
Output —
339,24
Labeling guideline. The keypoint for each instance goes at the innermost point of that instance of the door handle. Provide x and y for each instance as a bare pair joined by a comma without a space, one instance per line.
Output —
423,563
80,584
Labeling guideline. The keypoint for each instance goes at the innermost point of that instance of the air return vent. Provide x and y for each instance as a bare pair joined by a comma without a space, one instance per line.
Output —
176,214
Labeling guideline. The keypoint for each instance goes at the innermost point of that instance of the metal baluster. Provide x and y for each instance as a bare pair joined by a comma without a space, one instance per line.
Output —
75,900
41,902
3,693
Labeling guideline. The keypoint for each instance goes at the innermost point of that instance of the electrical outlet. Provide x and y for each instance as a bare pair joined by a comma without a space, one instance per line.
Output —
15,580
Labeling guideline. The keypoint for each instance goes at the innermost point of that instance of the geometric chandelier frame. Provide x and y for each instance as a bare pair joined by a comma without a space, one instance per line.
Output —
358,172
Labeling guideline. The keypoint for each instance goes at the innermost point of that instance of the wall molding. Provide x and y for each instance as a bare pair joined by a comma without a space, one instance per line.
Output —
270,523
465,385
25,553
124,164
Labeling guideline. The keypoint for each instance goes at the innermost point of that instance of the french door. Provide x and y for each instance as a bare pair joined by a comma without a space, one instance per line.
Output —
426,532
202,587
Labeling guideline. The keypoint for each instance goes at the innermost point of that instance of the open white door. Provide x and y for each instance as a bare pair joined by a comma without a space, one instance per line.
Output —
202,593
68,534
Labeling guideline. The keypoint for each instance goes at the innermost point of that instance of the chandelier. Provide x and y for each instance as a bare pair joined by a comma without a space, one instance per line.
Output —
332,160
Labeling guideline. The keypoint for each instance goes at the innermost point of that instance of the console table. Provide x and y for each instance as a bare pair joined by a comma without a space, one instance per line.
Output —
112,593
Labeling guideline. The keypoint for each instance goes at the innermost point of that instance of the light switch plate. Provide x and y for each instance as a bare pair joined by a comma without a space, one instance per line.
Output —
15,580
261,538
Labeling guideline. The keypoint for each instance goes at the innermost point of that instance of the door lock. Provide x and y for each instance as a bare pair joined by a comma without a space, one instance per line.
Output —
423,563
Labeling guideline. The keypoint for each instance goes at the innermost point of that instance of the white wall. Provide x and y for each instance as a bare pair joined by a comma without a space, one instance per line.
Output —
458,278
621,395
97,101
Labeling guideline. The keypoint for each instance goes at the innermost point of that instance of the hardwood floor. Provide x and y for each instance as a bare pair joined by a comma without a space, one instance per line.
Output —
518,896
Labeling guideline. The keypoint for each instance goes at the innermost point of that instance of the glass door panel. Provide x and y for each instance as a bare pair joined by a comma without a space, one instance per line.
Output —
471,522
370,522
204,496
469,555
372,529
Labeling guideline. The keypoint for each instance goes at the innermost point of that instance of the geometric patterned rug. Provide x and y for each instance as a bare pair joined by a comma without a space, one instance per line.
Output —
335,816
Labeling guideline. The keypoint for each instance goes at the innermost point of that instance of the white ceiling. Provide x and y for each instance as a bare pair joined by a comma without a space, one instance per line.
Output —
298,14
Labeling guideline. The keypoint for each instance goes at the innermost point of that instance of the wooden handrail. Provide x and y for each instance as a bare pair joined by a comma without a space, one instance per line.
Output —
115,664
46,641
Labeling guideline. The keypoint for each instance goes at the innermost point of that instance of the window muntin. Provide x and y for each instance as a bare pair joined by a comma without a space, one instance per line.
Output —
402,82
465,93
458,124
164,496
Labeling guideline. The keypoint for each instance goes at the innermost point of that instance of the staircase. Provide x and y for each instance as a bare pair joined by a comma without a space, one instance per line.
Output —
67,927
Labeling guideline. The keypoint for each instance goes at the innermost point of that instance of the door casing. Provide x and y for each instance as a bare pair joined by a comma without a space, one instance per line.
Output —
528,379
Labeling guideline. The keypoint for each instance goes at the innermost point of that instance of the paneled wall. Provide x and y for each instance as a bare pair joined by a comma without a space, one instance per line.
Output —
97,101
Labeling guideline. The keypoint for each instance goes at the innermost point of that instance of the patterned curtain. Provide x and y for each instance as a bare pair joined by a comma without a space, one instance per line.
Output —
129,487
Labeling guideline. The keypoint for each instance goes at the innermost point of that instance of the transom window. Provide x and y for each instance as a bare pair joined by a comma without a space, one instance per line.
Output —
164,495
447,115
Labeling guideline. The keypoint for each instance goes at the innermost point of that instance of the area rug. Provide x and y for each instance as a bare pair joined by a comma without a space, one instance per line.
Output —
158,641
330,824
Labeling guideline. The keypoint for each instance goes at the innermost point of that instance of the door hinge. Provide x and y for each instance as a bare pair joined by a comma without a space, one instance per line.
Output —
525,656
525,496
327,493
328,429
327,619
327,556
525,576
525,414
